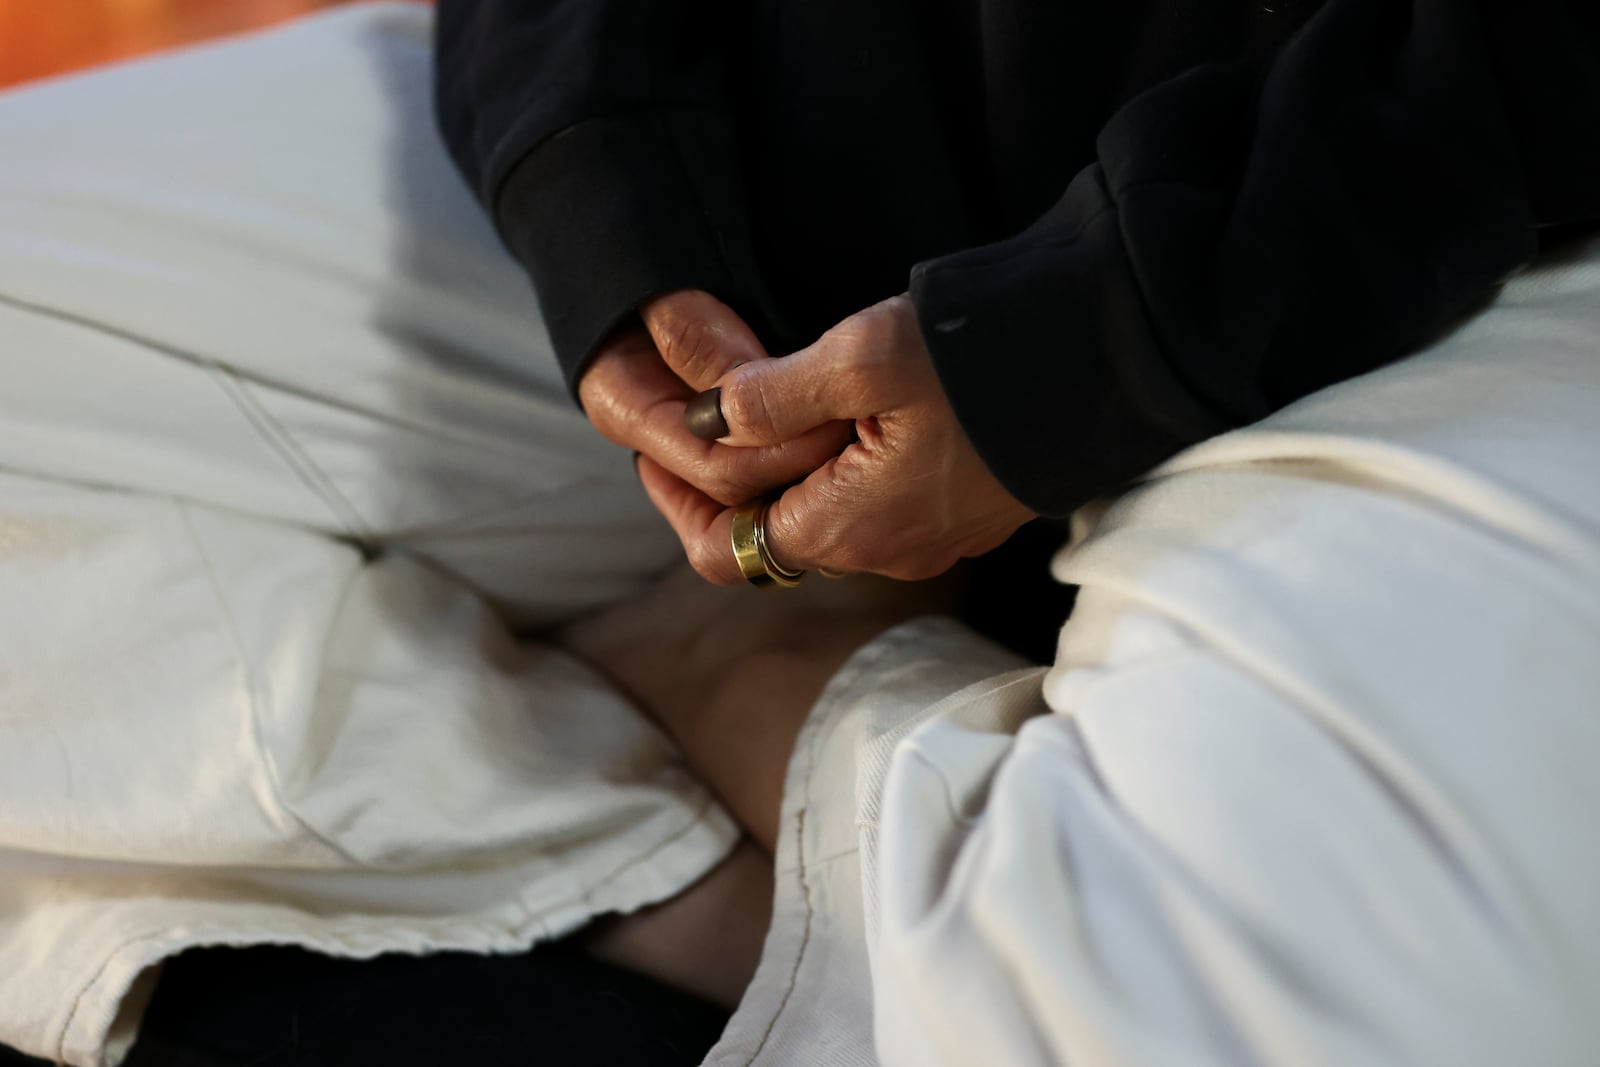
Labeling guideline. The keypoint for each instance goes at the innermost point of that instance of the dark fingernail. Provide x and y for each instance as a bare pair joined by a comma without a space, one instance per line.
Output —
704,418
636,456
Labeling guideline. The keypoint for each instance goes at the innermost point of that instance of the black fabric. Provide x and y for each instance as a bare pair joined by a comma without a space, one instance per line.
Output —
1126,225
283,1007
560,205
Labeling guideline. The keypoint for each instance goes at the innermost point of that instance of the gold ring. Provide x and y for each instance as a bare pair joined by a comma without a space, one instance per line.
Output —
749,536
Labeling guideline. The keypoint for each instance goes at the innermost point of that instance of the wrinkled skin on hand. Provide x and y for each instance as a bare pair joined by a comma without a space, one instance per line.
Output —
638,384
908,498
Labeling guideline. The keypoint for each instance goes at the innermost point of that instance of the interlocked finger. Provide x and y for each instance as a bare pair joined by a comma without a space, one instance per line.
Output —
634,400
699,337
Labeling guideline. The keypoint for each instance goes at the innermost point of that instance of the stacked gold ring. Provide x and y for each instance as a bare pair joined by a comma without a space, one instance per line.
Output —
749,538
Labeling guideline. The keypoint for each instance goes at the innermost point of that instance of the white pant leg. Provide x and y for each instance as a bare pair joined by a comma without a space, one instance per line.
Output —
1310,783
249,321
249,276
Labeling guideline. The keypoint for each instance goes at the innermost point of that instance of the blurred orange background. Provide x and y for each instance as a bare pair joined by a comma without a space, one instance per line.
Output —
44,37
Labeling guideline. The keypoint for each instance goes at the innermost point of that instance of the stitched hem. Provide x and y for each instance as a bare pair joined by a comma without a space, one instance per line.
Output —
657,872
795,911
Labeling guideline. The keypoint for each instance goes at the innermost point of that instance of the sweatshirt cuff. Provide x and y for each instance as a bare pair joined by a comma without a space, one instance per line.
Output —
615,210
1044,348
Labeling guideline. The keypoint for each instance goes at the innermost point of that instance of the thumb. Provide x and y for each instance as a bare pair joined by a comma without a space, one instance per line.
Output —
699,336
776,400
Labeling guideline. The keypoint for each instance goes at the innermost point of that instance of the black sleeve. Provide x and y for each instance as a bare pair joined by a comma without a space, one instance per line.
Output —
1257,230
596,132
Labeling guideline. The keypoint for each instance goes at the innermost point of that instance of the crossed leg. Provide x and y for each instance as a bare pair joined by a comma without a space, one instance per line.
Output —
730,675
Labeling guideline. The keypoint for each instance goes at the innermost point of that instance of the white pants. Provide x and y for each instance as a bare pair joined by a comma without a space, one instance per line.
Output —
276,416
282,446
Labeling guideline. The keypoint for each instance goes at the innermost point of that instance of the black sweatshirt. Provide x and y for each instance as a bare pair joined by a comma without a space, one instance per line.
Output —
1126,224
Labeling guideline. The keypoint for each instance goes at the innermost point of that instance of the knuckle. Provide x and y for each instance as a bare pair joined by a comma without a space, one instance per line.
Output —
746,404
865,373
720,481
899,307
870,352
728,491
848,558
879,324
790,540
703,559
594,388
604,418
841,549
601,403
858,332
688,344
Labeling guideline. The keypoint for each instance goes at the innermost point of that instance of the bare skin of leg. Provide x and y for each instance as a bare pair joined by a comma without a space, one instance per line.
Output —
730,675
706,940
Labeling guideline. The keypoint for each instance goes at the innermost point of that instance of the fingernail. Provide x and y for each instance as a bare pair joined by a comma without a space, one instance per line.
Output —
636,474
704,418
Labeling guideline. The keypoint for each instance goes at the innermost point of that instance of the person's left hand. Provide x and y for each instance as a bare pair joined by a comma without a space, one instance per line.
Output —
643,376
907,499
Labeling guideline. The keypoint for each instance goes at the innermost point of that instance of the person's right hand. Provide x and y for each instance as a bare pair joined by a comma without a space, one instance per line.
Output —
908,499
638,385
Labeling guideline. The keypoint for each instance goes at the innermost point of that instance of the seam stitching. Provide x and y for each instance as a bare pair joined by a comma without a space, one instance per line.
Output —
253,689
295,457
257,379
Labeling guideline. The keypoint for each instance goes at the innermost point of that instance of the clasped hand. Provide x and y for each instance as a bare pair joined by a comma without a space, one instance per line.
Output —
875,472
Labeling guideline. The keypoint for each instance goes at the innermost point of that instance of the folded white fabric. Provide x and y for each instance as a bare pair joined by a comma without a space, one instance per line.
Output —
1309,783
276,415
